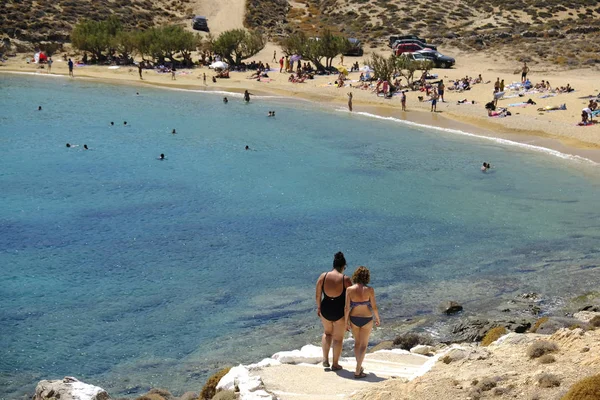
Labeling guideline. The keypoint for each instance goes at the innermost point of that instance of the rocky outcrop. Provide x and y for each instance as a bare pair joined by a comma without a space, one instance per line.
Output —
450,307
68,388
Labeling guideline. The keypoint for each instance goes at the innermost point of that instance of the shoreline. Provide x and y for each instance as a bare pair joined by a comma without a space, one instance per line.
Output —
538,140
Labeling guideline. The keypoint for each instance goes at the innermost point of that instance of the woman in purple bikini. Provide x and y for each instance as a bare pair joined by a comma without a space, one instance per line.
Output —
359,311
331,297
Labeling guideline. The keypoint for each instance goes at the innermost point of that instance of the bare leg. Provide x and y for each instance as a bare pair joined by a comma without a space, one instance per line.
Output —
361,341
338,341
326,339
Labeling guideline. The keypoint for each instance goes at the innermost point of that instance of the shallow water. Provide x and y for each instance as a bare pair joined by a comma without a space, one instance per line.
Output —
129,272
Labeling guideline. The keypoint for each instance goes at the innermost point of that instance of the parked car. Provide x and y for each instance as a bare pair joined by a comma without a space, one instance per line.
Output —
417,41
439,60
408,48
355,48
394,38
200,24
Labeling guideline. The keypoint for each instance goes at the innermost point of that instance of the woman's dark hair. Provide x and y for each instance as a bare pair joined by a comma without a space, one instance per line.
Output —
361,275
339,262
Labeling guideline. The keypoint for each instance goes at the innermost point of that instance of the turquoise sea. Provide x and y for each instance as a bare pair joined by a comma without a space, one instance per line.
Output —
129,272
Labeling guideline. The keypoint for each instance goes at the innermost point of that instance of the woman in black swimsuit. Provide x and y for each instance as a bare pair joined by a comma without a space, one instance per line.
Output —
359,312
331,297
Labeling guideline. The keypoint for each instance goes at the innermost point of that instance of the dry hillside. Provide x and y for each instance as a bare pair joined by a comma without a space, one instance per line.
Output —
35,21
564,32
557,31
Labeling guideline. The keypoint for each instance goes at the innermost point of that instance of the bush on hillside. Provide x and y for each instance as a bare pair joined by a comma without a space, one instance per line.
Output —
585,389
546,380
210,387
541,347
492,335
547,359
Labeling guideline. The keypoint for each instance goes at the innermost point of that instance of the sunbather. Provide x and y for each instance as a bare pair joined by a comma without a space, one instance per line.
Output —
553,108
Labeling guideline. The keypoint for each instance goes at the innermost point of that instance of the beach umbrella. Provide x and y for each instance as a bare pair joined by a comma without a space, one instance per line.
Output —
295,58
366,68
219,65
342,70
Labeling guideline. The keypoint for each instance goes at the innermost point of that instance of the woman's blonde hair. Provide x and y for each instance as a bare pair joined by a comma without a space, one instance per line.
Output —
361,275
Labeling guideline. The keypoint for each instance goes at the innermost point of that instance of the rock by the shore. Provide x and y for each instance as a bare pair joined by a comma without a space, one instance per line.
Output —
450,307
68,388
554,324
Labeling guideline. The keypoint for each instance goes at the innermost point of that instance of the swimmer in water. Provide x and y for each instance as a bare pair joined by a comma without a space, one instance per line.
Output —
85,147
225,100
162,156
124,122
270,114
247,147
174,132
485,167
68,145
40,108
112,123
247,96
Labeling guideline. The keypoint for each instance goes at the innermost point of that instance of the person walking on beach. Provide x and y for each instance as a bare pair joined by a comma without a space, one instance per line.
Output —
502,85
281,65
70,64
173,73
441,88
350,101
524,72
140,70
204,78
274,55
359,311
50,65
497,85
287,64
331,297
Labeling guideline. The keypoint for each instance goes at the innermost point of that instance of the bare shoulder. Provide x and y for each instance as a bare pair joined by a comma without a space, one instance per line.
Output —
371,290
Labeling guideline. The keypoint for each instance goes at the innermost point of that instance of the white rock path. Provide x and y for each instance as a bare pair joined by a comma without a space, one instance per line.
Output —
299,375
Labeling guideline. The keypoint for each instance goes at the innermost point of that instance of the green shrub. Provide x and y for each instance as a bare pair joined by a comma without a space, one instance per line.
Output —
210,387
541,347
492,335
585,389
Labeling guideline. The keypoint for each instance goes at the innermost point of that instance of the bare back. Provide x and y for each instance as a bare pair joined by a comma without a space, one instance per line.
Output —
361,293
333,284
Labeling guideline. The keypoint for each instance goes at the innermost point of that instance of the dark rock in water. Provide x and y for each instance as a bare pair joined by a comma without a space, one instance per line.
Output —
535,310
409,340
474,330
593,308
521,327
471,330
531,296
450,307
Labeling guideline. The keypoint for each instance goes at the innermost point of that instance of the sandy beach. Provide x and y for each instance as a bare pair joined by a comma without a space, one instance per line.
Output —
556,130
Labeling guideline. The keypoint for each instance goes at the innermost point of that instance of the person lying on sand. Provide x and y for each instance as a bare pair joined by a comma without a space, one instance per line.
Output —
553,108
